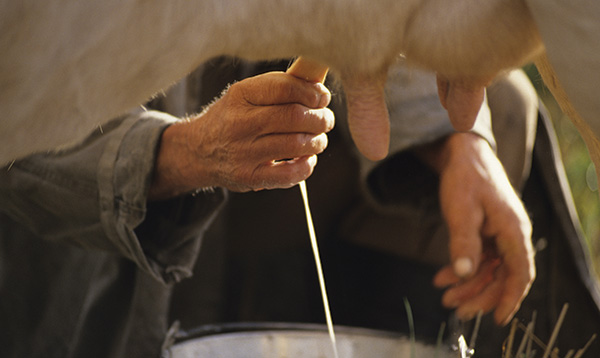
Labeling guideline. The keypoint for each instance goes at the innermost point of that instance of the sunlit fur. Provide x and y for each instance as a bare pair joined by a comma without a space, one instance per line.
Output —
67,66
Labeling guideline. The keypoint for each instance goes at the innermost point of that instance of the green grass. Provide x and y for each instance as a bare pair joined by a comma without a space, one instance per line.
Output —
579,168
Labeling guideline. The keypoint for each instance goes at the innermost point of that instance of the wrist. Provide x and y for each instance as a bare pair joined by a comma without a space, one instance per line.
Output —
174,172
451,150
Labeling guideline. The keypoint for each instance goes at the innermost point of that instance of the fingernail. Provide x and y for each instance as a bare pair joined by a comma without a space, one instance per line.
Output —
463,267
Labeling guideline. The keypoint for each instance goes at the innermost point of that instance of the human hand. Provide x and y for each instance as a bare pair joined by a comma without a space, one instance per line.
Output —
492,258
263,133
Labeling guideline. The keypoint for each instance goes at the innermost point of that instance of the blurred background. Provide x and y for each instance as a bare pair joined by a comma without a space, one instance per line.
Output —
579,168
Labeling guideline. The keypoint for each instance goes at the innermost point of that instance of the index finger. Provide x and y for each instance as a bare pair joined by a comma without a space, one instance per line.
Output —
298,119
464,219
276,88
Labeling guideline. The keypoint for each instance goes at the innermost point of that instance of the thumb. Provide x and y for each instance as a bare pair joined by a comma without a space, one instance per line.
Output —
462,100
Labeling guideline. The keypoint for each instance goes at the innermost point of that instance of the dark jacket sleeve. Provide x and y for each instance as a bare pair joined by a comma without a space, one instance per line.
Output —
94,195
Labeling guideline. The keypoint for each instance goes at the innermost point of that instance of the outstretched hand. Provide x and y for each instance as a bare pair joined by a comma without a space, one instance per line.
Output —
492,258
263,133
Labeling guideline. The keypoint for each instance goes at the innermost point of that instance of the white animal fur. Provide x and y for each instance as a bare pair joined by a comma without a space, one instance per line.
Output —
67,66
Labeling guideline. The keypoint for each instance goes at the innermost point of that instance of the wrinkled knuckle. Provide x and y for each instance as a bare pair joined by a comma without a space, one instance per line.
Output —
302,140
285,89
294,115
234,88
293,143
237,92
297,112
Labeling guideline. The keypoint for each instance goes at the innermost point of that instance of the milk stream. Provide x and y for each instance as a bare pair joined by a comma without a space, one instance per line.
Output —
315,249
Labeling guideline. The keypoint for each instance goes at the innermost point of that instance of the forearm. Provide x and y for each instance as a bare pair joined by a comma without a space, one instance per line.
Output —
173,173
489,230
95,196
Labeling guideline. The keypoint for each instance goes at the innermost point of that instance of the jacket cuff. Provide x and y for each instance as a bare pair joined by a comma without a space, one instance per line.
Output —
124,176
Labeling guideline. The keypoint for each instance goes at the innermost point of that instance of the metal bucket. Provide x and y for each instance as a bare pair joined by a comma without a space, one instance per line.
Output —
298,341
